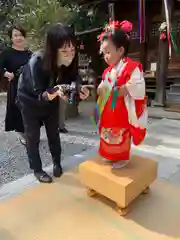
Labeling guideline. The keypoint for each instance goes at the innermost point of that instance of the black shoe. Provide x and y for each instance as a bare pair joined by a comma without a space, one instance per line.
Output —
43,177
63,130
57,171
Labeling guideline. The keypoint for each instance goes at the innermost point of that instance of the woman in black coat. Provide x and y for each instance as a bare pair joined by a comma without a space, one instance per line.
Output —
12,60
38,92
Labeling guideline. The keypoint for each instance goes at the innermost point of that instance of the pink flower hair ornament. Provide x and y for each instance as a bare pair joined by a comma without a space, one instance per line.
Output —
125,26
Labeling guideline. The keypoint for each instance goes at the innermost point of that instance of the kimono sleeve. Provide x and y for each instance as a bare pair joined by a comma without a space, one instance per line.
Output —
136,105
136,85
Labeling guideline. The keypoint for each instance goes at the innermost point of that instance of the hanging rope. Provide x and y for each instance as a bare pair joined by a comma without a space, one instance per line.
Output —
168,27
173,41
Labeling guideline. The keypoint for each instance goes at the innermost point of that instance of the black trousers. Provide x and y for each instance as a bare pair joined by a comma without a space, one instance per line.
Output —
32,119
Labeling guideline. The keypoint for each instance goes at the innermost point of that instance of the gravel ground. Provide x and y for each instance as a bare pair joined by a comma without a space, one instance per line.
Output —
13,158
14,162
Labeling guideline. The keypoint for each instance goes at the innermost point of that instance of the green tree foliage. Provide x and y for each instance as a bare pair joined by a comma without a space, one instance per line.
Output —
36,16
5,11
85,17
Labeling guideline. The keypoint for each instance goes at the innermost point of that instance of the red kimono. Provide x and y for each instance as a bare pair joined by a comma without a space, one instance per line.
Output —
125,123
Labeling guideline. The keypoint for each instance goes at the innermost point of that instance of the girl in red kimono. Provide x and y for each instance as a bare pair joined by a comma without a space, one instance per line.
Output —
122,113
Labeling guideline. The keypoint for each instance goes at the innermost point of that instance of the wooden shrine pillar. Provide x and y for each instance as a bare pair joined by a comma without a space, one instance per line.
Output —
143,45
143,55
162,65
162,72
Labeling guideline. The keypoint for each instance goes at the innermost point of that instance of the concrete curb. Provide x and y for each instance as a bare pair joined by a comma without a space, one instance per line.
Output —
163,117
18,186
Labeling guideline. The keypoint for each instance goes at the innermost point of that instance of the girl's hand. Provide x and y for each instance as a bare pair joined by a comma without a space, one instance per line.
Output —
102,91
100,87
9,75
122,91
84,93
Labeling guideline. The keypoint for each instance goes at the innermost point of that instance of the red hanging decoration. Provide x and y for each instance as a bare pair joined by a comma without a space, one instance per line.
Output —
125,26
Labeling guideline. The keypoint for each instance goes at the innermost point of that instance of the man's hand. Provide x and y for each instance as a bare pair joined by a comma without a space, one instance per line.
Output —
84,93
9,75
51,96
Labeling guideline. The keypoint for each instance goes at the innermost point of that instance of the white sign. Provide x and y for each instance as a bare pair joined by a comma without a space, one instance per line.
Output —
153,67
84,60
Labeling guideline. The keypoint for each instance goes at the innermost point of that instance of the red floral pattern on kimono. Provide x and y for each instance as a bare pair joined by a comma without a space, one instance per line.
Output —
126,123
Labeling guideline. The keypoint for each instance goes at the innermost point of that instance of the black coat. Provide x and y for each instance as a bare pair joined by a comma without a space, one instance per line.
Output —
12,60
34,81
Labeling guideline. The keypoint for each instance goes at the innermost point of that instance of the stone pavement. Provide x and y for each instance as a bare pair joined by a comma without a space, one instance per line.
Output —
162,144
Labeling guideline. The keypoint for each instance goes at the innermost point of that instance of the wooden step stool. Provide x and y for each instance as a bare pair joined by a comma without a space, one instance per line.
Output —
120,185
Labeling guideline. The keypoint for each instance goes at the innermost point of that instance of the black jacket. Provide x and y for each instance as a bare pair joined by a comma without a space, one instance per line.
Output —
34,81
